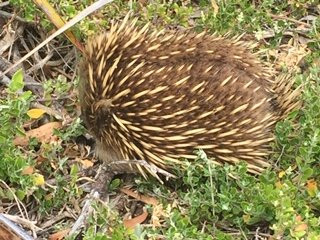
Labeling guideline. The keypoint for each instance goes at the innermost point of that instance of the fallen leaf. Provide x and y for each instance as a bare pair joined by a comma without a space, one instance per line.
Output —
158,213
281,174
292,56
48,196
27,170
246,218
140,197
36,113
43,134
131,223
40,159
312,187
59,235
278,185
8,230
86,163
301,227
298,218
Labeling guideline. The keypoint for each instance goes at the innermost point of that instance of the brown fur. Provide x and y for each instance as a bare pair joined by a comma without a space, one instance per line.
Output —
167,120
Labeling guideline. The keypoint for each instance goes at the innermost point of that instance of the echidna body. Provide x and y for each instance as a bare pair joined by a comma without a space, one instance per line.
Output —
157,96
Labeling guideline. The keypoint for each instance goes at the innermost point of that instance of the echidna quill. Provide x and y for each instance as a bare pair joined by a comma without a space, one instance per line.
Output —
157,96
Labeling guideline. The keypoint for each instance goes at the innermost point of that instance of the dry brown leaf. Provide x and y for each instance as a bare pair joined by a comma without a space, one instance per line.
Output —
59,235
86,163
27,170
131,223
290,54
42,134
293,56
301,227
143,2
146,199
312,187
40,159
7,233
298,218
48,197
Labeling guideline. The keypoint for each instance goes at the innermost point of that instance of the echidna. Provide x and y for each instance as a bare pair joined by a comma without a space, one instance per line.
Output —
157,96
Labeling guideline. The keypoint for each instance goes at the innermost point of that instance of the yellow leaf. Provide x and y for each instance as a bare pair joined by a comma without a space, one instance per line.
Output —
312,187
278,185
246,218
39,180
36,113
281,174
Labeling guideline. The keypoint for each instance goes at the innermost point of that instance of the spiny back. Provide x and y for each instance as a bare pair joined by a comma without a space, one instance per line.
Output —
157,96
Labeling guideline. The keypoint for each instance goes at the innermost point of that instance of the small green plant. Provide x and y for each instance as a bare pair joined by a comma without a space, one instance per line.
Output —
169,13
302,144
13,115
58,87
27,6
65,175
214,198
105,224
74,130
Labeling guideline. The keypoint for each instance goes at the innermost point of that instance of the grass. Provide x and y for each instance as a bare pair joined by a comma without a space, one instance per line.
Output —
207,200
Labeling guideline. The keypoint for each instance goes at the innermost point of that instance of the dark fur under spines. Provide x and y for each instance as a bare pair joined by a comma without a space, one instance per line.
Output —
157,96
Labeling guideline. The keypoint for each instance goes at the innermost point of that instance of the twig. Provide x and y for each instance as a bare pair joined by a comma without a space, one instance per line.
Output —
55,219
24,222
48,110
57,98
290,20
40,63
3,4
233,231
153,168
282,151
19,203
30,84
13,228
69,24
85,213
10,15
